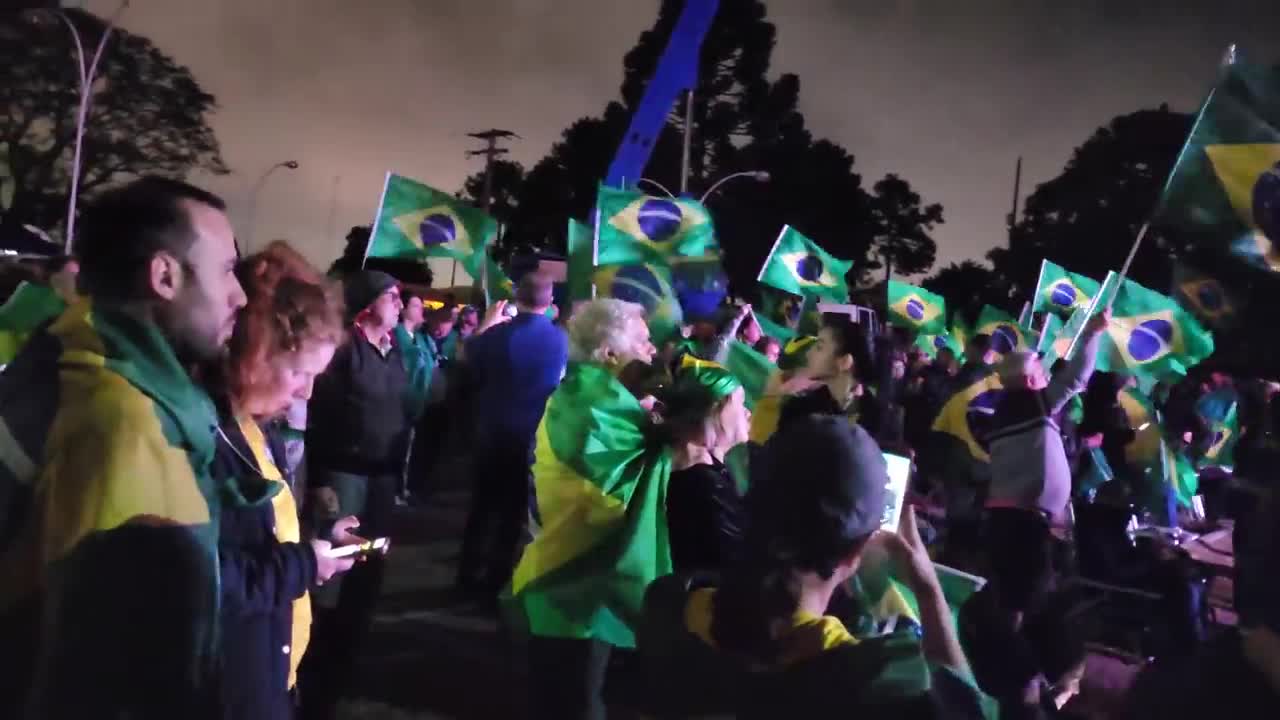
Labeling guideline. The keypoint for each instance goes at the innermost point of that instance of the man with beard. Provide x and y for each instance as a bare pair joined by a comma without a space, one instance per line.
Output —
111,577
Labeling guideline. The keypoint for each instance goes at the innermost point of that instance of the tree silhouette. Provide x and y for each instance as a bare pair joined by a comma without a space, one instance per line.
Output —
148,115
1086,218
902,227
967,286
743,121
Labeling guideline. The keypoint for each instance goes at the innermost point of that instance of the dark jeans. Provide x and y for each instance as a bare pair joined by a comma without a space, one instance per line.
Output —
1019,556
500,504
429,443
566,678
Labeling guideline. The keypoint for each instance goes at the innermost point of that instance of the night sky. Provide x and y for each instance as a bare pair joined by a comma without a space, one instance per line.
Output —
947,94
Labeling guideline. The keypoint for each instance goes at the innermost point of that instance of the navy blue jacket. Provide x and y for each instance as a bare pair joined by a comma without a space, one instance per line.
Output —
515,367
261,578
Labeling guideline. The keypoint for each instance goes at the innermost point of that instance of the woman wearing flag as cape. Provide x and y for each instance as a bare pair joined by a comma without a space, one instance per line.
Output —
601,478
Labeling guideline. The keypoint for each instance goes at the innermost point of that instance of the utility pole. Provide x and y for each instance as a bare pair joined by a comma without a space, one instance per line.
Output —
491,152
1017,187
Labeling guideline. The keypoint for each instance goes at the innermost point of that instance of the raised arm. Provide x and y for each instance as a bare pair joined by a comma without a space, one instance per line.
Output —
1075,376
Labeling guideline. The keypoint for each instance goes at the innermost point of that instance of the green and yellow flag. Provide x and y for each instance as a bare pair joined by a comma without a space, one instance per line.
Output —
650,287
1149,333
798,266
970,413
1007,335
639,228
1223,191
916,308
29,307
931,344
751,368
1205,296
601,485
497,286
1226,434
1063,292
578,249
416,221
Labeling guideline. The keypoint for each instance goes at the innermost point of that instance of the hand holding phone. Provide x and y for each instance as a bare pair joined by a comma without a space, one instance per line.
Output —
377,546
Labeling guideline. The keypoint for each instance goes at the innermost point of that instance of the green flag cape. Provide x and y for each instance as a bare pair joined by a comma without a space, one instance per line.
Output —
29,307
1062,292
1149,333
416,221
916,308
638,228
1221,192
601,487
798,266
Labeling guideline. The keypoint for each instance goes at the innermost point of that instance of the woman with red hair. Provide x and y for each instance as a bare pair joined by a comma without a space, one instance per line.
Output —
284,337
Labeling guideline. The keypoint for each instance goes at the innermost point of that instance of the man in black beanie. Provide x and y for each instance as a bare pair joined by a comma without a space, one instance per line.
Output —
357,429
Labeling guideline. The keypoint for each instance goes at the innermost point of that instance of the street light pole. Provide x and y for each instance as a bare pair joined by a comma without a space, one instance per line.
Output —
251,212
757,175
658,185
87,74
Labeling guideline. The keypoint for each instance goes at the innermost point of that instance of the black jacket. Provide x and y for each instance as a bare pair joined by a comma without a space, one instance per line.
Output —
705,518
357,420
261,578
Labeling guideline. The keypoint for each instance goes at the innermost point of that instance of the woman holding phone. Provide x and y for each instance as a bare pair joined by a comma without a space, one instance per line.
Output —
284,337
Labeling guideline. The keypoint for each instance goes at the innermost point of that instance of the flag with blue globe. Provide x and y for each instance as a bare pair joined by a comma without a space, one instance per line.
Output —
916,308
799,266
638,228
1149,333
415,221
1224,191
1006,334
649,286
1061,291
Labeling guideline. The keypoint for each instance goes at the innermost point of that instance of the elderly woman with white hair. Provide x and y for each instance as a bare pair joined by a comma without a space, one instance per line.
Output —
600,474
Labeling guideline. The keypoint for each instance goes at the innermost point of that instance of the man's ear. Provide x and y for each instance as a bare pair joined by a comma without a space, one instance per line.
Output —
164,274
845,363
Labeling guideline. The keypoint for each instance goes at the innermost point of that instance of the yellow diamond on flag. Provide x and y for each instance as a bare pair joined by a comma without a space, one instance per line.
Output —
1239,167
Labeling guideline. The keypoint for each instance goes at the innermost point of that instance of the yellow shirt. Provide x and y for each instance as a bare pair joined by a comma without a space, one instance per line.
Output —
288,529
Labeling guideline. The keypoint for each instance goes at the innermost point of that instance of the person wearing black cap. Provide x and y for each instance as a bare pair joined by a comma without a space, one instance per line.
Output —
358,424
761,642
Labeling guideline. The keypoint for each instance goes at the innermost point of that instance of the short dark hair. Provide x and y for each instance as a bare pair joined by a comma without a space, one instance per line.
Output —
406,295
535,290
851,340
122,229
980,342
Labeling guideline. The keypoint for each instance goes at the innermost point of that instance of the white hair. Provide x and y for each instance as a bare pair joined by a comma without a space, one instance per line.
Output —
1013,367
598,329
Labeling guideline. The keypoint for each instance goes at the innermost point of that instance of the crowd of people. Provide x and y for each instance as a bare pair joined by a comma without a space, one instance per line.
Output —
198,449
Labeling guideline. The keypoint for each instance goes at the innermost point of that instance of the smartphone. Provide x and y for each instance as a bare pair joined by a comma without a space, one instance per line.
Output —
895,490
372,547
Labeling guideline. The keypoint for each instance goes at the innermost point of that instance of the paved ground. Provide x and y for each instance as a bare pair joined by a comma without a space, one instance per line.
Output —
431,654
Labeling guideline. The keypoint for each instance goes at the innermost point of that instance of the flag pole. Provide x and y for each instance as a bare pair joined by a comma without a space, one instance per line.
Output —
768,258
1024,317
377,218
1093,305
1035,296
1044,331
595,250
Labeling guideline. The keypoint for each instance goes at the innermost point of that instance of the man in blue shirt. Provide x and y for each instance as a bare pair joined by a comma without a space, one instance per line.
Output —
514,368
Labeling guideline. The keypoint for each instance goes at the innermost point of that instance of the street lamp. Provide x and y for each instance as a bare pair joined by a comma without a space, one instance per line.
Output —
252,210
87,74
757,175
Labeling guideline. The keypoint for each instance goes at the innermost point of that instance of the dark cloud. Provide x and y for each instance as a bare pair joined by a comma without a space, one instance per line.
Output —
946,93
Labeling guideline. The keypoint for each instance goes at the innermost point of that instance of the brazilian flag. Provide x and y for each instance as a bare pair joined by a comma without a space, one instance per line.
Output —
798,266
601,484
28,307
1226,434
1205,296
931,344
638,228
579,248
960,331
1224,191
751,368
970,414
700,283
916,308
1007,335
778,313
416,221
1062,292
648,286
1152,457
497,286
1149,333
